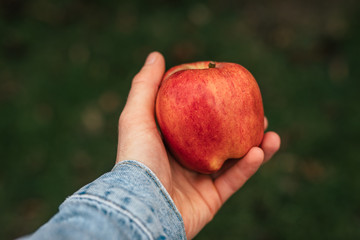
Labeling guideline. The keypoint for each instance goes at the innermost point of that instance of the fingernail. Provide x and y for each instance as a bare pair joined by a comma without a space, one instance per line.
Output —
151,58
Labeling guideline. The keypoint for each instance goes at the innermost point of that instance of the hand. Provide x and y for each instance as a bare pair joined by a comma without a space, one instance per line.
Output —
198,197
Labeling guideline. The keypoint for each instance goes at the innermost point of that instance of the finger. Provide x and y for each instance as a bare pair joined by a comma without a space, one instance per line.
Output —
235,177
270,144
145,85
266,123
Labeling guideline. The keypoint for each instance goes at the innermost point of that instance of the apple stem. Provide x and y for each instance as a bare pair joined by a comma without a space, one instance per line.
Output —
212,65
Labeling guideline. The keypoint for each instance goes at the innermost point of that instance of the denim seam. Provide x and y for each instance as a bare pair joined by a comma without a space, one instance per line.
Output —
156,181
114,206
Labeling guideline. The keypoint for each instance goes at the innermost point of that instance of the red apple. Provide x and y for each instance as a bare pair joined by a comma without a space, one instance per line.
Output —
209,112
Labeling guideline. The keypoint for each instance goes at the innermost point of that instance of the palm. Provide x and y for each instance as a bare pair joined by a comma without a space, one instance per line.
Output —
197,196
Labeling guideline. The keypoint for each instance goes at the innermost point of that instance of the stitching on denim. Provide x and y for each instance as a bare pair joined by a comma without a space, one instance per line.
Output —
156,181
114,206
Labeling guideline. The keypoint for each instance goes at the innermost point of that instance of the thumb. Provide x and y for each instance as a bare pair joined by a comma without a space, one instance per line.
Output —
145,85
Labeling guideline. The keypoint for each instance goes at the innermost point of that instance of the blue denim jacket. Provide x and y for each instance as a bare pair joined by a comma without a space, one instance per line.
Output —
127,203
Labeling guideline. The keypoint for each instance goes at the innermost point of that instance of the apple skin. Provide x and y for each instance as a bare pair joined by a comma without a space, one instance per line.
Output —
209,112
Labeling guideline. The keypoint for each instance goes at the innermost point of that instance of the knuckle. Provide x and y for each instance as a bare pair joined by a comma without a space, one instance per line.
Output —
123,119
139,78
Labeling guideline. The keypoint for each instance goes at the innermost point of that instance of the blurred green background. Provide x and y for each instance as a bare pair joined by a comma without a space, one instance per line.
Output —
66,68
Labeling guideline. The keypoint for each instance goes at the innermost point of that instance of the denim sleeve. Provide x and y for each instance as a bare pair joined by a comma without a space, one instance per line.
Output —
127,203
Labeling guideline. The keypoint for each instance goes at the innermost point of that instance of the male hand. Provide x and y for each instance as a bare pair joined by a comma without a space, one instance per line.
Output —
197,196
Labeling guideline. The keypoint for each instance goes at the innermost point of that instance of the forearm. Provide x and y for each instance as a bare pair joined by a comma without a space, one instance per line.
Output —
127,203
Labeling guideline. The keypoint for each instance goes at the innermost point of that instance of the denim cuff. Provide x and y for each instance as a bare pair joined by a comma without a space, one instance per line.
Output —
132,191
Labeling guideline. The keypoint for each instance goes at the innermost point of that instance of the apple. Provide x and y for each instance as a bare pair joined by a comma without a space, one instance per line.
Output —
209,112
